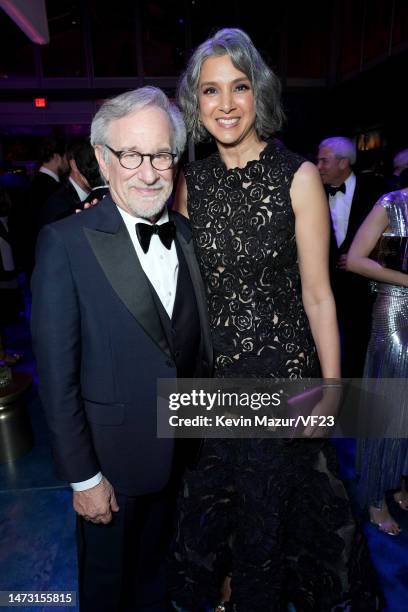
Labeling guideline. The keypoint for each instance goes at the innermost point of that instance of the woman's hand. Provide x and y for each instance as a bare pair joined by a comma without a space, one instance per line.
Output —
322,419
88,205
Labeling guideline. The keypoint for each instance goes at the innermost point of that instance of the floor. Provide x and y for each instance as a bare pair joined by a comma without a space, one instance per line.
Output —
37,547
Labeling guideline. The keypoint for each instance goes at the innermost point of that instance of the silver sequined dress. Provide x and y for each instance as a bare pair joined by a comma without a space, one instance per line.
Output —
384,461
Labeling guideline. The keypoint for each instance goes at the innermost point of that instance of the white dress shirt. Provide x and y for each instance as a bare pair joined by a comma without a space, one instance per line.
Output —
82,194
340,206
159,264
50,173
161,267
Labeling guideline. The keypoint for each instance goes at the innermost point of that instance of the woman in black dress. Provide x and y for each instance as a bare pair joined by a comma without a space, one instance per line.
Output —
261,523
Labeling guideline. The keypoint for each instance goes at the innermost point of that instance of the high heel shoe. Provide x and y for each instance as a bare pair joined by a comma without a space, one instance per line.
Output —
388,526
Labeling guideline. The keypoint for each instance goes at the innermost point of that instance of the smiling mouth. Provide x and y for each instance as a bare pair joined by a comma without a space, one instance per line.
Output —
146,193
227,123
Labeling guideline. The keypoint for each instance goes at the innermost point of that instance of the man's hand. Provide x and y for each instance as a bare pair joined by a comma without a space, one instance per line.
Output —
96,504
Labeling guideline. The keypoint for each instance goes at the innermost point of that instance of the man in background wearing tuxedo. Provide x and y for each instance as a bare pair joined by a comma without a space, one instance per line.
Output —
350,198
75,190
118,302
53,168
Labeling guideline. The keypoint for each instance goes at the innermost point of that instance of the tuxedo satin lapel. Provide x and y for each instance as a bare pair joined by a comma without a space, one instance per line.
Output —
117,258
354,218
201,298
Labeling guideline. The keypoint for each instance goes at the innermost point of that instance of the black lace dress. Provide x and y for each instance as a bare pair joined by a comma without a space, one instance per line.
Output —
272,514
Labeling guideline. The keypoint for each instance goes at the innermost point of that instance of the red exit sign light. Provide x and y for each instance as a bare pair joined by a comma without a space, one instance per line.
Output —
40,102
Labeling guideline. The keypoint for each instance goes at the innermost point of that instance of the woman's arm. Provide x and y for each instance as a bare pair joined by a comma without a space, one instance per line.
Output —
358,259
180,197
312,229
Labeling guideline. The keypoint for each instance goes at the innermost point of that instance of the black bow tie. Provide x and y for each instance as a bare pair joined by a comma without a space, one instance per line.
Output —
333,190
165,231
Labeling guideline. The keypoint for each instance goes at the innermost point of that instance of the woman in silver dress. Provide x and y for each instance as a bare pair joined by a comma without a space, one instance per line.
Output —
384,462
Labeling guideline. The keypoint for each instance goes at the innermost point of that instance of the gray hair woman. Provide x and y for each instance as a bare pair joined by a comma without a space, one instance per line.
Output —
260,227
246,58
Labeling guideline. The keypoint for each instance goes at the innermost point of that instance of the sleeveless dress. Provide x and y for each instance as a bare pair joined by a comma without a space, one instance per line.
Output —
383,462
272,514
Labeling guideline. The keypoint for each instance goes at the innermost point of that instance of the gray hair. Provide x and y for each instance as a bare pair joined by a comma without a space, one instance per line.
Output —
246,58
131,102
341,147
401,160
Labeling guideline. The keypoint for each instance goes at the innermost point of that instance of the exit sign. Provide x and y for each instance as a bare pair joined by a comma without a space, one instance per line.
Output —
40,102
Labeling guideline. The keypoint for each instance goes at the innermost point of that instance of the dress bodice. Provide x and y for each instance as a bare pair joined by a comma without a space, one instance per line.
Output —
396,205
244,233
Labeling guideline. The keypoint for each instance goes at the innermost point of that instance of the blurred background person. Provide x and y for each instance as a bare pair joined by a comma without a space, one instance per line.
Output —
75,190
383,463
89,168
399,177
53,168
350,198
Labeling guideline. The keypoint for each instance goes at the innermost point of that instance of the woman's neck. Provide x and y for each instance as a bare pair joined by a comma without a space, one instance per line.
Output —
238,155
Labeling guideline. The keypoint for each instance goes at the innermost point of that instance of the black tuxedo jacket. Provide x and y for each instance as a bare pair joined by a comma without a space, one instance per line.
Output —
352,291
100,348
61,204
366,193
41,188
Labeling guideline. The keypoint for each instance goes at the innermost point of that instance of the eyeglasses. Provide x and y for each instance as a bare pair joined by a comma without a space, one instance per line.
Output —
132,159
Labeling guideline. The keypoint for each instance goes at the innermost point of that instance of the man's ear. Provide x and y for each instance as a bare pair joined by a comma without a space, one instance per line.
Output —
103,166
344,164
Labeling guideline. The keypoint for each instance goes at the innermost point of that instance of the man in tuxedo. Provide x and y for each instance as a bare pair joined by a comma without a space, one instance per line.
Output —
89,168
75,190
53,167
350,198
118,303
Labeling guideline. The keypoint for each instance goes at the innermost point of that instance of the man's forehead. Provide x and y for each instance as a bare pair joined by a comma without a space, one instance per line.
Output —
147,124
326,153
150,115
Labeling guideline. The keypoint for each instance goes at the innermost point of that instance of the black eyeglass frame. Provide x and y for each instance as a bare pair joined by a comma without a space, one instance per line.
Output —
151,156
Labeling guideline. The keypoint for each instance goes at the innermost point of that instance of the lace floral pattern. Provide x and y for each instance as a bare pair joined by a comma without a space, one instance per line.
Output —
244,233
271,513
